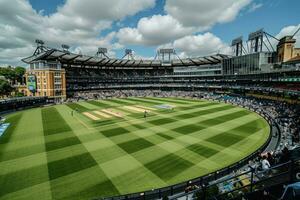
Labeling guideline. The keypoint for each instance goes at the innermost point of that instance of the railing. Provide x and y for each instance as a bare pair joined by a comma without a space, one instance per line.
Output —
21,103
202,181
247,184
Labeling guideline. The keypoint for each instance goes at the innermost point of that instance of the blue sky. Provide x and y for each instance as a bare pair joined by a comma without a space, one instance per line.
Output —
192,27
272,16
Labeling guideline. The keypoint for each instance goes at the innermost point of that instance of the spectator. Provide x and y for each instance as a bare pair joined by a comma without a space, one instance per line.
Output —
265,163
285,155
270,159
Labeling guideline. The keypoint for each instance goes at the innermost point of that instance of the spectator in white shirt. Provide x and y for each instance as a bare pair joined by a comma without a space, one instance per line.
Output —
265,163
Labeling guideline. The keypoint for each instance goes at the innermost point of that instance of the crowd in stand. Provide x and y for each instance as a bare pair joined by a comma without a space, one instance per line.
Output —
91,84
105,94
95,79
82,73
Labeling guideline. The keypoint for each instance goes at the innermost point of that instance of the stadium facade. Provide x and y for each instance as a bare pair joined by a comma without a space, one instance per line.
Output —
59,74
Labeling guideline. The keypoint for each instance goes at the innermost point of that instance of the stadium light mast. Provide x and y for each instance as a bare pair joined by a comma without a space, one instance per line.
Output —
257,41
128,54
65,47
102,52
162,53
40,47
237,46
39,42
165,56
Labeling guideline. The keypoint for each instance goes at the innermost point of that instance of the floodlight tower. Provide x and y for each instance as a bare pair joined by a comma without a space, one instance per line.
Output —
237,46
128,54
256,40
65,47
40,47
102,52
39,42
165,55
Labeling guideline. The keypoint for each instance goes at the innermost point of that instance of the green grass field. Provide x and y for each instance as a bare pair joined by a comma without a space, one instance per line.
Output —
108,148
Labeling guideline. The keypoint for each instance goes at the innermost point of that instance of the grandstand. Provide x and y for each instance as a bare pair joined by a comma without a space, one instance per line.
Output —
74,73
167,128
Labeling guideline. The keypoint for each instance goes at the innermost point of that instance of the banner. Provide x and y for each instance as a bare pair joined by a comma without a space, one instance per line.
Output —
31,83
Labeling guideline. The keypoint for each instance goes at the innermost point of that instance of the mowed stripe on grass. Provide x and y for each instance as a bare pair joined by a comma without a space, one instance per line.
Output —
77,107
235,135
168,166
62,167
69,166
23,177
123,155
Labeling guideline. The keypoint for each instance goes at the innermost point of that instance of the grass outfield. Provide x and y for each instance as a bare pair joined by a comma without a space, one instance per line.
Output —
108,148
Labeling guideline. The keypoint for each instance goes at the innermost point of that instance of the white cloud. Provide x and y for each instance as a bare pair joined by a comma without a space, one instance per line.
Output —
204,13
289,31
95,14
103,9
182,18
200,45
129,36
161,28
154,30
13,56
137,56
77,23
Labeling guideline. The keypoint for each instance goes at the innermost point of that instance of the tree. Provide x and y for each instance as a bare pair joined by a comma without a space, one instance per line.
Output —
13,74
8,73
20,71
5,87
